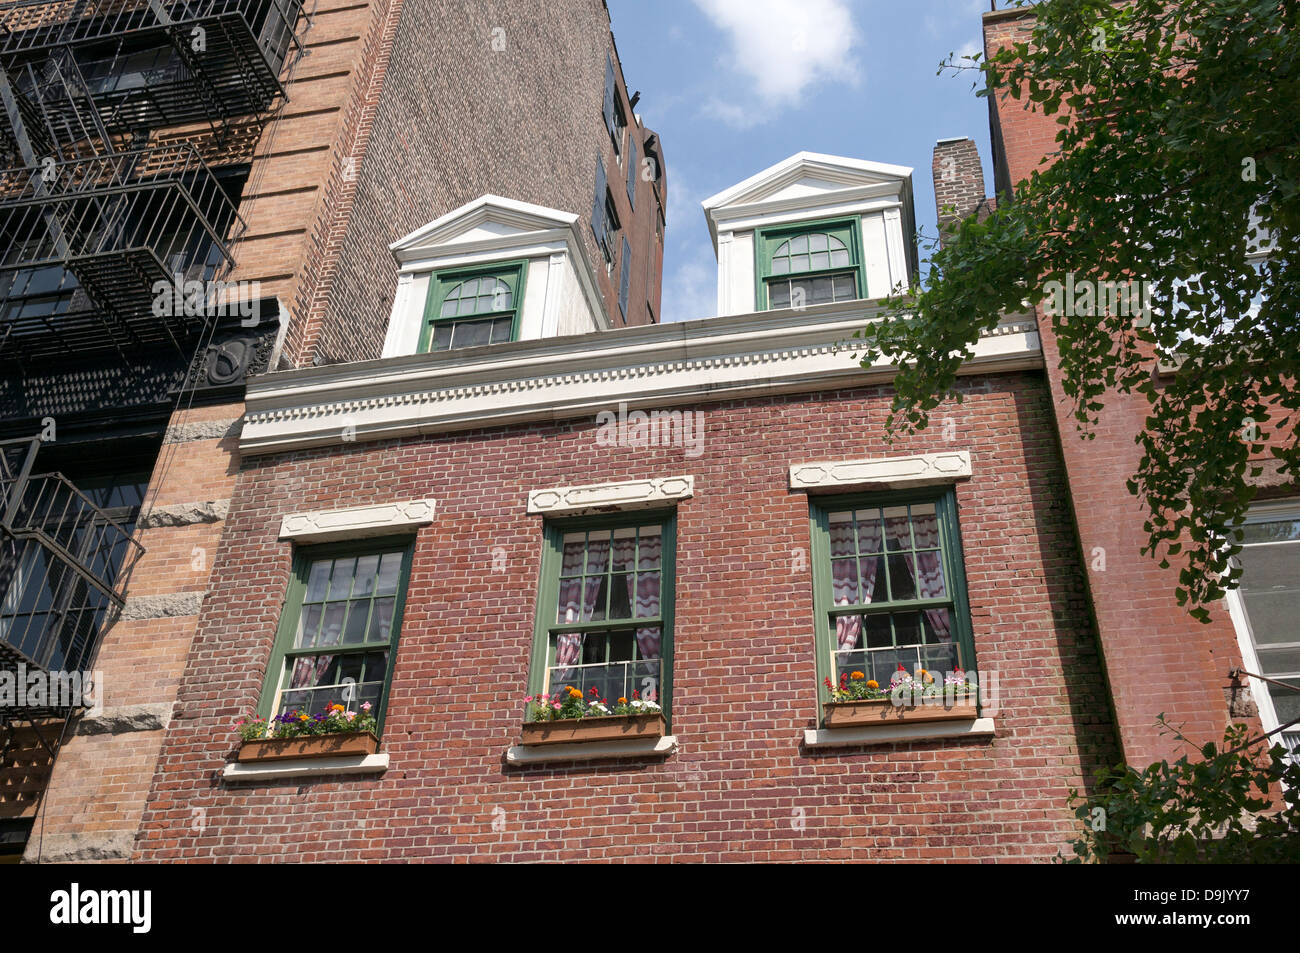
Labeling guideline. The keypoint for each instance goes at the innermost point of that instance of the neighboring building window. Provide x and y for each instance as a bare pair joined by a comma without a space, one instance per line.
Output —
1269,598
625,279
615,117
470,308
604,218
631,173
810,265
338,630
605,609
889,586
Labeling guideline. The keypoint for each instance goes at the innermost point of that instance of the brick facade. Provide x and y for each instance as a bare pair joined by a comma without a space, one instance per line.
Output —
741,787
1158,659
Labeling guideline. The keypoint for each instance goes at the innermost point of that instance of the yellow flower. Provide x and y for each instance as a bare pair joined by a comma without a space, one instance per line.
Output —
303,717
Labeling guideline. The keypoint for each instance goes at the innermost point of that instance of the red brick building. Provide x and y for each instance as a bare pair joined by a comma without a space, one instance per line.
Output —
704,512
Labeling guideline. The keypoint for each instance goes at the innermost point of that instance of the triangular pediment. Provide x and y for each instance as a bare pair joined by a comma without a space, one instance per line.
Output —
489,220
808,175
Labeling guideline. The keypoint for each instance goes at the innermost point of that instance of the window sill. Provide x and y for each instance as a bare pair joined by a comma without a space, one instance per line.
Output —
897,733
305,768
651,747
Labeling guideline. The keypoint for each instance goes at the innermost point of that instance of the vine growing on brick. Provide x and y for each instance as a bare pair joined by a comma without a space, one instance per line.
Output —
1161,233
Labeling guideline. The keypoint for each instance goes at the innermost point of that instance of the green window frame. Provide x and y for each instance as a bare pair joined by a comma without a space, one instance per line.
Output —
889,585
823,257
341,619
598,613
470,307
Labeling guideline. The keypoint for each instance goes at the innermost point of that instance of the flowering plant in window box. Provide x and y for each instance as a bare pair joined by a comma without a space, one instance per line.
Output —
334,732
918,696
568,716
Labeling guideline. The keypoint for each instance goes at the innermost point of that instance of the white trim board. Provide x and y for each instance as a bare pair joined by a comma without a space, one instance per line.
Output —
657,366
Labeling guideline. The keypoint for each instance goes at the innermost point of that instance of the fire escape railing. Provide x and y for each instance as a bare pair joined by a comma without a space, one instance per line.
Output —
119,224
64,567
225,55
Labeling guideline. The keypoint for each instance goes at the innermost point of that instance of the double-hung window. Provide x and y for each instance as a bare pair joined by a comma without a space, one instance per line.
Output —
810,264
1269,603
889,586
337,639
605,609
471,307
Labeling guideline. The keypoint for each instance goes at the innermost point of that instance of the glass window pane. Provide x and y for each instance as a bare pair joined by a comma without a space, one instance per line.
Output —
341,580
780,266
845,288
779,294
647,595
821,290
308,626
897,529
569,604
873,579
367,566
902,585
381,620
598,551
317,581
332,625
650,548
449,308
839,258
844,581
471,334
817,242
799,244
441,337
841,534
501,329
574,550
820,260
878,634
907,628
869,535
1270,589
929,575
799,263
1276,531
358,616
390,569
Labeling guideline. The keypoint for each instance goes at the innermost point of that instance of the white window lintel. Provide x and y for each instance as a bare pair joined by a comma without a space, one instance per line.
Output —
925,469
357,522
606,497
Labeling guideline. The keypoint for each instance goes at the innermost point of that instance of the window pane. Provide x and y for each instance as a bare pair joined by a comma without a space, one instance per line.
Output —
779,294
650,548
647,595
441,337
471,334
449,308
821,290
869,535
841,533
308,627
799,244
501,329
873,579
358,616
332,626
817,242
367,566
839,258
897,529
820,260
1273,532
907,628
1270,589
902,584
878,632
929,575
799,263
845,288
844,581
318,580
390,569
598,552
381,620
780,266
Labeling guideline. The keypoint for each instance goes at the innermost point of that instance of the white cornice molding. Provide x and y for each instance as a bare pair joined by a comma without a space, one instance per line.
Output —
609,497
356,522
563,378
924,469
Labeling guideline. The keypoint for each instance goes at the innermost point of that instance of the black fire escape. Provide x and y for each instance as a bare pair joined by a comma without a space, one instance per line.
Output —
119,118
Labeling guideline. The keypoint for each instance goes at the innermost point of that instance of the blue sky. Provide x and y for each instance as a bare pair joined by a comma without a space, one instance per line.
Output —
733,86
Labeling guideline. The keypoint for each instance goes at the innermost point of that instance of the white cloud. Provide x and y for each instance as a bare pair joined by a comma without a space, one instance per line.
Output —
780,48
691,290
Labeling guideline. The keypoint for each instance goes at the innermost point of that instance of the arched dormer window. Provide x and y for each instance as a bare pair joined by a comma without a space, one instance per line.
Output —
804,266
470,308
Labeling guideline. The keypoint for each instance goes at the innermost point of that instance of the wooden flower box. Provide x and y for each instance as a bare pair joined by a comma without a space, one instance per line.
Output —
883,711
603,728
343,744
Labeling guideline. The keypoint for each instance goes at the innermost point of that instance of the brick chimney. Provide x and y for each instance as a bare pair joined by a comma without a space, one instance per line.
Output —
958,181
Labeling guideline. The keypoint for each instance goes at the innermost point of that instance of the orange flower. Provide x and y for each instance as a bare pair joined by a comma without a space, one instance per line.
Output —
337,708
574,693
857,676
873,684
622,701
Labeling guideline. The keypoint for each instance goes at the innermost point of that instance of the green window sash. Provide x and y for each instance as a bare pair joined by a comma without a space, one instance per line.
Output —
341,619
825,254
467,307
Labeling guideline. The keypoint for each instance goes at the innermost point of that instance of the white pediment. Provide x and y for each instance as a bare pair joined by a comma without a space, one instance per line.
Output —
487,222
808,174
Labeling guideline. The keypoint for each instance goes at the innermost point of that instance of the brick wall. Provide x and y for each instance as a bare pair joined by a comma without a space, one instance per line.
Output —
1158,659
443,116
97,789
958,180
740,788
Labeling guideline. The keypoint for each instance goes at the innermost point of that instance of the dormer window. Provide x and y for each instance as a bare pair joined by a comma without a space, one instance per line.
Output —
471,308
810,265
